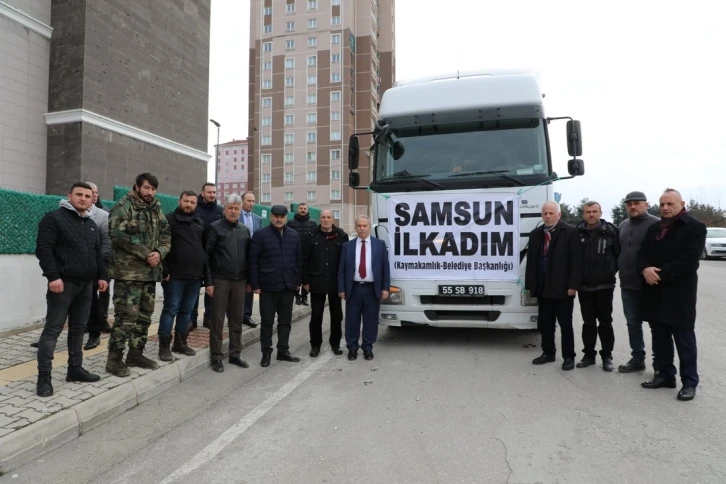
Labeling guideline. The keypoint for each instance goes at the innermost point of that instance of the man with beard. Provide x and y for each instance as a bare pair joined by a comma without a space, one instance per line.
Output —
140,239
302,224
209,211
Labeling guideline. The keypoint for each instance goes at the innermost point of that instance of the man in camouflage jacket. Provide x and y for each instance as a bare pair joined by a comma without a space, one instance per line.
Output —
140,239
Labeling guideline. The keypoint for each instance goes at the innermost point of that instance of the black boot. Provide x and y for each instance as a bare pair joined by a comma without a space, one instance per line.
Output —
314,351
181,346
298,299
135,357
44,388
304,300
78,373
265,359
105,328
115,363
164,349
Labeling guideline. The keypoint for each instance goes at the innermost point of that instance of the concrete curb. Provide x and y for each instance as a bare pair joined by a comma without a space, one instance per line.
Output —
29,443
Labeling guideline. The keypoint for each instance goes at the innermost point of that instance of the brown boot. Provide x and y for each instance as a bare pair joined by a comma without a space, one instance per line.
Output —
180,344
115,363
136,358
164,351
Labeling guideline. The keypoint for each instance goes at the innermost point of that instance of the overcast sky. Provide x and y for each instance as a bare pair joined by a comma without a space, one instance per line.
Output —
645,79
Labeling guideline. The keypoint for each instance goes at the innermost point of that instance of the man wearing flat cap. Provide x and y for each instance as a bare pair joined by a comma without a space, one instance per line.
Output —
276,275
632,232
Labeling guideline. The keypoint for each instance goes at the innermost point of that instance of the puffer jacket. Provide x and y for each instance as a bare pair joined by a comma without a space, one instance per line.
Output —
275,260
302,225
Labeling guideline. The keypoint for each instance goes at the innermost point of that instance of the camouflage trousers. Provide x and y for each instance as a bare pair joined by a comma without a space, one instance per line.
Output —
133,304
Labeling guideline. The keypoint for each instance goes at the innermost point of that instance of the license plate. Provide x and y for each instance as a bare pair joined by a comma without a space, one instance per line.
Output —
461,290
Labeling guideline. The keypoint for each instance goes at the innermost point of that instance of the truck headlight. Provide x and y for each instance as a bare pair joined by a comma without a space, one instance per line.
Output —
395,296
527,299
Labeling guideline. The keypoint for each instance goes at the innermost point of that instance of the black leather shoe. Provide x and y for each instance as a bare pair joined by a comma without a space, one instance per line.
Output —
352,355
568,364
93,342
659,382
632,365
287,356
368,355
298,301
78,373
34,345
265,360
304,301
585,362
607,364
217,366
543,358
249,322
314,351
105,328
236,360
687,393
337,350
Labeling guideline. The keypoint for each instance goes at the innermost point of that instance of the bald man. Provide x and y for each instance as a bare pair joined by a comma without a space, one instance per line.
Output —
668,262
553,274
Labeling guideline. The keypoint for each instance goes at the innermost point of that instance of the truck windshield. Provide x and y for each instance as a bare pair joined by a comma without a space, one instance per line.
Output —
467,155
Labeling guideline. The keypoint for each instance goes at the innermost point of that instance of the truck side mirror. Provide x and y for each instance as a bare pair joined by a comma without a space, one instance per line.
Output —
574,138
353,153
398,150
576,167
353,179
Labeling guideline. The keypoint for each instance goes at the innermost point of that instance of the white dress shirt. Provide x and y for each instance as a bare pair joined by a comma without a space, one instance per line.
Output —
369,256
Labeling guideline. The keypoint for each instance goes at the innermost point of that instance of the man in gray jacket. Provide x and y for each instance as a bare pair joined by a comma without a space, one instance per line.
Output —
632,231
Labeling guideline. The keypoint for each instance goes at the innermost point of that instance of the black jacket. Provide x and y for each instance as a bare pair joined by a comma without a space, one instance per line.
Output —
321,258
561,270
600,250
187,256
673,300
228,246
302,225
208,212
275,260
68,247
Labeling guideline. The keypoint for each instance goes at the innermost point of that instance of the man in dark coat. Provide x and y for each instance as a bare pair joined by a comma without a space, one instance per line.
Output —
321,258
209,211
553,274
303,225
275,274
668,261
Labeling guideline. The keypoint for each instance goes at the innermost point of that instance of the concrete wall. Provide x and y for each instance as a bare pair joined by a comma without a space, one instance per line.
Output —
22,295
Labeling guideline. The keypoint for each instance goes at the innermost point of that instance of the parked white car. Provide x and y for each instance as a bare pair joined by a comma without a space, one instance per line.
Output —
715,243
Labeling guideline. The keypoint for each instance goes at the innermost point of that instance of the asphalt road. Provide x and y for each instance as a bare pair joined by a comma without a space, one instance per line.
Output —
434,406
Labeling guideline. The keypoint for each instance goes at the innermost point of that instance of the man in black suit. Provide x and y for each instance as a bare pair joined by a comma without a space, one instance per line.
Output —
668,261
554,272
275,274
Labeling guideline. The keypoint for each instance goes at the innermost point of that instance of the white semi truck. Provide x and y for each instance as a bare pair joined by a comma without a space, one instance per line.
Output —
460,168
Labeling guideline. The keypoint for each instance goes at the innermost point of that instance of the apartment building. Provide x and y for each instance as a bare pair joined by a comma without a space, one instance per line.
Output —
232,165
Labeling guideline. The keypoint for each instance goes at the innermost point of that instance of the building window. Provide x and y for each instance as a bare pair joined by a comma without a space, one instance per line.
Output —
336,214
312,60
335,77
267,47
289,119
266,102
335,3
335,116
312,99
335,175
312,156
312,118
312,137
234,185
268,10
335,194
289,196
266,197
289,139
289,63
267,121
266,66
312,176
266,158
265,178
268,29
334,154
335,39
312,4
289,44
312,80
290,8
289,158
289,177
334,58
335,20
290,26
267,84
290,81
335,96
266,140
311,196
312,41
335,136
289,100
313,23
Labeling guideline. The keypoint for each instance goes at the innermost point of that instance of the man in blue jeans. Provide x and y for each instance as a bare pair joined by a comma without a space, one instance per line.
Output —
183,273
632,231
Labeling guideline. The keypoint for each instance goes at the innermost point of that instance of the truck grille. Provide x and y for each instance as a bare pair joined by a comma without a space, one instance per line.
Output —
462,315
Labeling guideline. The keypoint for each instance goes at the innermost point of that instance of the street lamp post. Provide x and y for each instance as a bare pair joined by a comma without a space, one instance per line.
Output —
216,161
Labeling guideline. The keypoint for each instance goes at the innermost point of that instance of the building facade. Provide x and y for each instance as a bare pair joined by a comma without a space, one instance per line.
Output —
318,69
232,165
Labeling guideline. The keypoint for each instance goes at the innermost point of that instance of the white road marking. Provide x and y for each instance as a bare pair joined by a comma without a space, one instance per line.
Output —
218,445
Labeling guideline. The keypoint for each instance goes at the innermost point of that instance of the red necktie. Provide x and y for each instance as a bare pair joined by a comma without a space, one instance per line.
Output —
548,239
362,264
